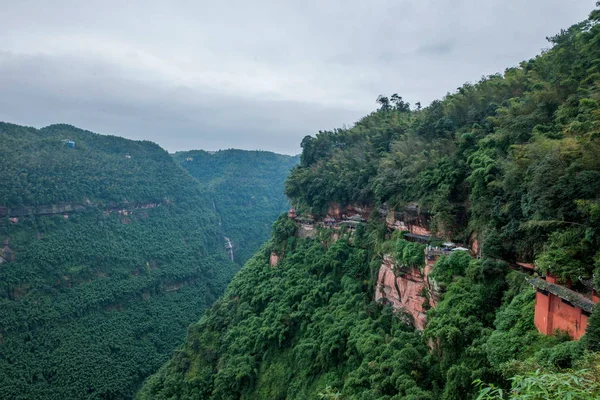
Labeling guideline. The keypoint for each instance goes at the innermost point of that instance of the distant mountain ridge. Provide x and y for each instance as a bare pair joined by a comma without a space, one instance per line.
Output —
39,167
247,190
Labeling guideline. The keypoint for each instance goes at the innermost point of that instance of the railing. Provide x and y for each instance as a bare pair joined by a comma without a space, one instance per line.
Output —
437,252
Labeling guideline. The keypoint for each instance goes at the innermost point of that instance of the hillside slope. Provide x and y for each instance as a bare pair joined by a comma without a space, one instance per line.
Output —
109,250
291,331
246,188
508,165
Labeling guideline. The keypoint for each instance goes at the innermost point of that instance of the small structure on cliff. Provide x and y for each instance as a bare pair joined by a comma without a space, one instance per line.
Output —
414,237
292,213
351,225
558,307
329,221
433,253
70,143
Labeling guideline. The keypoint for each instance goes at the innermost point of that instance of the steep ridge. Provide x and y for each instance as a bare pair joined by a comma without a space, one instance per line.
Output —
507,167
247,192
290,331
110,251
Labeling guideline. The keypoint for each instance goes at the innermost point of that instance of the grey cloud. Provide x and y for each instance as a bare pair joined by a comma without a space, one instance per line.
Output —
252,74
436,48
182,118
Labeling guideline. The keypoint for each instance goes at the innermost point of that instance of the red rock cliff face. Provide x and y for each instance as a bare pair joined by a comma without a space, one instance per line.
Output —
419,230
339,212
411,291
274,259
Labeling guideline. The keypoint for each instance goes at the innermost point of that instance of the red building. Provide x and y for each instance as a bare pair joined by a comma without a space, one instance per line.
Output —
557,307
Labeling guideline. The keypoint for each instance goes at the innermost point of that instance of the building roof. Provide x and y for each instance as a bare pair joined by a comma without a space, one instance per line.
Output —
436,252
355,217
577,299
350,222
424,238
460,249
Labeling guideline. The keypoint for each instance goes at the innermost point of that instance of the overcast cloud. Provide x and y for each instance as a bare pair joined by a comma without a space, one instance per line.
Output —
252,74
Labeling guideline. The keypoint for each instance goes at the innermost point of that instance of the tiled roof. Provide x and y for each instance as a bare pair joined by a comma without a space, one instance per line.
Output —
565,293
419,237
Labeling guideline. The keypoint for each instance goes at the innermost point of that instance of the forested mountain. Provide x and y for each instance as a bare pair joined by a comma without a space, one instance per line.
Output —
247,191
108,251
511,163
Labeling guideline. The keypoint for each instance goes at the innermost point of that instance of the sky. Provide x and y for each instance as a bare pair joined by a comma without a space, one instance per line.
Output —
258,74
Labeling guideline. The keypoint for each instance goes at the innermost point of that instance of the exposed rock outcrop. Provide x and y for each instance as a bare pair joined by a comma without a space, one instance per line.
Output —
408,289
350,211
306,231
274,259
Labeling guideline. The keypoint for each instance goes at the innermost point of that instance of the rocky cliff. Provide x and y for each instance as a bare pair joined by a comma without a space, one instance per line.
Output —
407,289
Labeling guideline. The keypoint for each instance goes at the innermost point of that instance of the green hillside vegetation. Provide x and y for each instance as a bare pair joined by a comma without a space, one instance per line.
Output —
95,300
309,329
513,160
38,168
247,188
289,332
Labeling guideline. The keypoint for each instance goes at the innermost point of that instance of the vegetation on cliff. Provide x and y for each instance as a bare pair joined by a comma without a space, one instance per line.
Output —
94,300
511,160
513,157
291,331
308,328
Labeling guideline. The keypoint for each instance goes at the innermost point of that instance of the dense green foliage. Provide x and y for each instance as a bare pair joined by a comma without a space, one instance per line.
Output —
449,267
409,254
38,168
94,303
511,160
579,384
247,190
308,328
289,332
